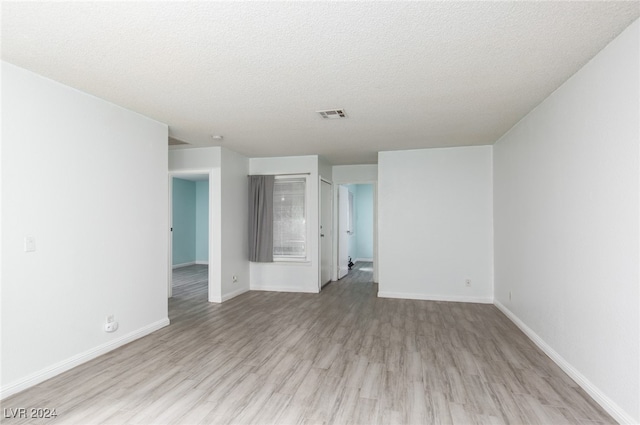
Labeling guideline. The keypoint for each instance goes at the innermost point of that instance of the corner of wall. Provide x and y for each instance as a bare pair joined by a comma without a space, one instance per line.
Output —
235,272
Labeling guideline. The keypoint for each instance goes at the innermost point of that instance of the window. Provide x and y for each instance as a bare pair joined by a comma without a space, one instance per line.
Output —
289,218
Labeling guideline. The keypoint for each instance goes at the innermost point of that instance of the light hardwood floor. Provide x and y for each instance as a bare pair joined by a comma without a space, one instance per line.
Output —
343,356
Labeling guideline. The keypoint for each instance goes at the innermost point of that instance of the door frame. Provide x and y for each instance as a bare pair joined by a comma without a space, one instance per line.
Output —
344,199
332,256
375,225
177,174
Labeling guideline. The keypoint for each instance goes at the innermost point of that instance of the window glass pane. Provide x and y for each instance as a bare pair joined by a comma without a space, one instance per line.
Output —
289,224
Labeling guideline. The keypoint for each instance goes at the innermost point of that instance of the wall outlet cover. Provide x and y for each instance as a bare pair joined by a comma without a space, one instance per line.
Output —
111,327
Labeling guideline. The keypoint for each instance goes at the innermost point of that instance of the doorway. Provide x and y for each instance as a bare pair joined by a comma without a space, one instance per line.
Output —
356,227
189,231
326,232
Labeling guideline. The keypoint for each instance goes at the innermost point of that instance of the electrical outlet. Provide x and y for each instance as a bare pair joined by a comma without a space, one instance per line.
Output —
235,279
111,325
467,282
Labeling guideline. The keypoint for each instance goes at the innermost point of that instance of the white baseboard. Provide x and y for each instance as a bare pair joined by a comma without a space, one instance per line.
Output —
363,260
607,404
284,289
427,297
205,263
234,294
177,266
78,359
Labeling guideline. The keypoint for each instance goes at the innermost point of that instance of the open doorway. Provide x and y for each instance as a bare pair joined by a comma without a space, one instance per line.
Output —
326,232
356,228
189,235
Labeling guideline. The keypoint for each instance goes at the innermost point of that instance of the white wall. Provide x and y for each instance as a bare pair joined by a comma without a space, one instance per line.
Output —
290,276
235,238
88,180
567,234
194,159
435,224
364,173
325,169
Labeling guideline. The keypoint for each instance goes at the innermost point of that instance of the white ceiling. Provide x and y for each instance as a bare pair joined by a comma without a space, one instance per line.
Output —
408,74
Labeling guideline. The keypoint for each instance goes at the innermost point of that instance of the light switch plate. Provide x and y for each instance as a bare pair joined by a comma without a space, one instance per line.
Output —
29,244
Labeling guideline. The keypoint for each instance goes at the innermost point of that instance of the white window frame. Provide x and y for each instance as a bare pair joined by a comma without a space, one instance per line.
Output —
301,259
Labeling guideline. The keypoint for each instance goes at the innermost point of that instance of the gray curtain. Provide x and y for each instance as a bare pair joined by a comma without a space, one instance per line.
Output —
261,218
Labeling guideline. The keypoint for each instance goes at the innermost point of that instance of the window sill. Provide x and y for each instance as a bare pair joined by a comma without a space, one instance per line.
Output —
285,260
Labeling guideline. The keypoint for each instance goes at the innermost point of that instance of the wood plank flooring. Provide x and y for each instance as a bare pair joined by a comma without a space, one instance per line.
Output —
343,356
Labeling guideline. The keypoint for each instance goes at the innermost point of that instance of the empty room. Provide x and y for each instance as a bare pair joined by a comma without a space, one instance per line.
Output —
360,212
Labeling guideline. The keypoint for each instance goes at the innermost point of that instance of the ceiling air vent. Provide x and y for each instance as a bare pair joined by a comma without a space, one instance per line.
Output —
175,142
332,114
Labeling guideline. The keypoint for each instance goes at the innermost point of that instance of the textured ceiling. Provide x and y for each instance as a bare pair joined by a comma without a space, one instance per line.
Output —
408,74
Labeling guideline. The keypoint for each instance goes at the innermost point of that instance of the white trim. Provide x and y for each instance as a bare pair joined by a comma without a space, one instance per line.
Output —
204,263
284,289
234,294
607,404
342,272
177,266
427,297
285,259
78,359
363,260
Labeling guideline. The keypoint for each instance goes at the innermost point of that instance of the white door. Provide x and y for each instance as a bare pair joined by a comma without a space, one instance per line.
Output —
343,231
326,232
